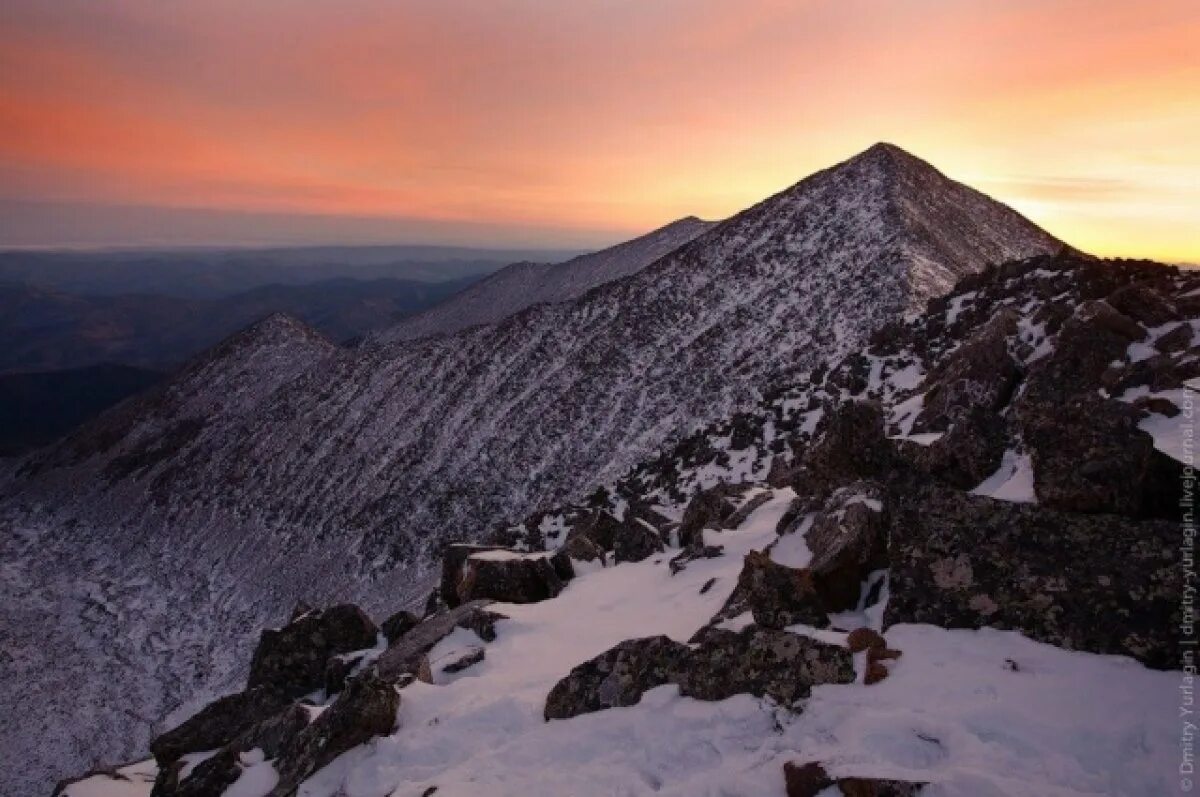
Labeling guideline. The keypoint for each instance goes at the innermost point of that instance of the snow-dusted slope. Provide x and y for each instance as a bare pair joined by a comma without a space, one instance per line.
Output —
522,285
171,533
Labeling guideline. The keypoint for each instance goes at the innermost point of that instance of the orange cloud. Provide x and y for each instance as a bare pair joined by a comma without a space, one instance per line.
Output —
602,114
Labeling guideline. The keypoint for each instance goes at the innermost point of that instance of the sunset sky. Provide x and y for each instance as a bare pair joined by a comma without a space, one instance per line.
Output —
530,122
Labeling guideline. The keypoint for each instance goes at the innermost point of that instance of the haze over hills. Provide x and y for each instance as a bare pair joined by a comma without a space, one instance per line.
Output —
515,287
206,273
293,470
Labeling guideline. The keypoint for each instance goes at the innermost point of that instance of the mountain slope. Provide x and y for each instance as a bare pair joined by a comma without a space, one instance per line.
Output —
338,475
515,287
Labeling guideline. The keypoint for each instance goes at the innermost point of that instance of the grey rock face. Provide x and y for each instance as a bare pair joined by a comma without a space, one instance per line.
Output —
405,656
516,579
848,539
1100,583
219,723
778,596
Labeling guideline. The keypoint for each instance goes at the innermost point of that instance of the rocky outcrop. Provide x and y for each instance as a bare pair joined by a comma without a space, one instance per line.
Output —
292,659
405,657
758,661
853,446
848,540
1100,583
511,577
454,556
777,595
219,723
710,509
810,780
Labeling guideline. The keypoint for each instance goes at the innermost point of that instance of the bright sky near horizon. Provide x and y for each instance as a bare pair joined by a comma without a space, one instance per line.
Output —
527,122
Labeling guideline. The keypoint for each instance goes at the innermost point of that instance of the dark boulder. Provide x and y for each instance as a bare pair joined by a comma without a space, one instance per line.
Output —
453,558
853,446
405,657
811,779
581,548
366,709
848,540
636,541
292,659
1099,583
217,773
777,595
709,508
219,723
398,625
509,577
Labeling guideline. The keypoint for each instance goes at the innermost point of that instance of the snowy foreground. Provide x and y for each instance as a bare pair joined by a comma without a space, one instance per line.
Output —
971,712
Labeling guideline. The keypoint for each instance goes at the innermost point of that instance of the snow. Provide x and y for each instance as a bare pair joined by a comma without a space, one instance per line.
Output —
257,779
1012,481
133,780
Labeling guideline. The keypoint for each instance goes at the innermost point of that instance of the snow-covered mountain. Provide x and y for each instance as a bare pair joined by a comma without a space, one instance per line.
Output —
521,285
945,565
142,554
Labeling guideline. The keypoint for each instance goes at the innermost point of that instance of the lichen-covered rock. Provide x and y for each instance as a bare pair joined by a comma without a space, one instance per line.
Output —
292,659
219,723
777,595
853,446
509,577
617,677
759,661
1100,583
763,662
581,548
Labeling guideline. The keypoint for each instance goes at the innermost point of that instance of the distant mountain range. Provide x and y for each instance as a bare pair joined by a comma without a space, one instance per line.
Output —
521,285
278,467
208,273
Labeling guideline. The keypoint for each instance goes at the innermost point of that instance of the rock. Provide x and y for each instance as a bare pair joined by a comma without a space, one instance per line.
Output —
292,659
777,595
617,677
708,509
758,661
635,541
680,561
763,662
581,548
398,625
852,447
469,659
405,657
848,540
979,375
810,780
217,773
861,639
1089,455
219,723
366,709
508,577
338,669
453,558
961,561
1178,339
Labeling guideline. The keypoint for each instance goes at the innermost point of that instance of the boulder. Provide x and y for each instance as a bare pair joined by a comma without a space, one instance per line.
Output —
398,625
811,779
708,509
636,540
777,595
219,723
853,446
848,540
217,773
454,556
1099,583
292,659
759,661
617,677
581,548
366,709
1089,455
509,577
405,657
861,639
